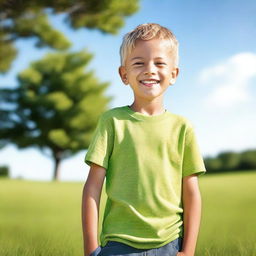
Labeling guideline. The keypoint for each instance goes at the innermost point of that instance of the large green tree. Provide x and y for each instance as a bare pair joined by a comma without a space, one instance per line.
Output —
55,106
27,19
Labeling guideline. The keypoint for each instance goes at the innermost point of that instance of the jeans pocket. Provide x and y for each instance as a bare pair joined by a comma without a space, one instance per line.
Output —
96,251
169,249
179,244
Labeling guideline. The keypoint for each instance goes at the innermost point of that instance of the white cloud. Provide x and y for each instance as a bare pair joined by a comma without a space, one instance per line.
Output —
230,80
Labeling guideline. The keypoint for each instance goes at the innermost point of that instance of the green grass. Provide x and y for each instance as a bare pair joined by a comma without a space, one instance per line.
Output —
39,218
228,218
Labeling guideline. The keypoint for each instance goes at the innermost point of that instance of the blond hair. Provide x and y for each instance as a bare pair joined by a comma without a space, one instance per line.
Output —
148,31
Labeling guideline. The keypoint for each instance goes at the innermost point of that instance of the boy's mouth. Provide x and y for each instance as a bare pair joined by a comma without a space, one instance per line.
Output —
149,82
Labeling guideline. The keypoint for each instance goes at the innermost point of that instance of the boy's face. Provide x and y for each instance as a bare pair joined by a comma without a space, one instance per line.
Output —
149,68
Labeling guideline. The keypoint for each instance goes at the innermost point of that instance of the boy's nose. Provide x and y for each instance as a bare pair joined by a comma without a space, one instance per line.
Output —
149,72
150,69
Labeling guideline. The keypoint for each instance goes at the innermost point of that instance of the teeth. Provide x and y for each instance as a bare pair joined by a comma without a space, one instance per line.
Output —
149,82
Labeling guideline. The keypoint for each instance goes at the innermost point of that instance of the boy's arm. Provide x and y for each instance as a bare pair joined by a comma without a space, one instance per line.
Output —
90,207
192,214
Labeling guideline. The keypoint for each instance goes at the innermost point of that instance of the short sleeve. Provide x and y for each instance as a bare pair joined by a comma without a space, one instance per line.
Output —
192,159
101,145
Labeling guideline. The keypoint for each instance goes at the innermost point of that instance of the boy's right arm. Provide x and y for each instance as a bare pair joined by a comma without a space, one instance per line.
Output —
90,207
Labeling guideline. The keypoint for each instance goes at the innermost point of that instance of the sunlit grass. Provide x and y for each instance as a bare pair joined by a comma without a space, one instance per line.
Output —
39,218
228,217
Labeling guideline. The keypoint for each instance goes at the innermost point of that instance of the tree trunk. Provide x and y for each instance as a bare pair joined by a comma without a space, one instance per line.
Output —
57,159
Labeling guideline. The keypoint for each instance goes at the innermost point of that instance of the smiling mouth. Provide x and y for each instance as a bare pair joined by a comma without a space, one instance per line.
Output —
149,83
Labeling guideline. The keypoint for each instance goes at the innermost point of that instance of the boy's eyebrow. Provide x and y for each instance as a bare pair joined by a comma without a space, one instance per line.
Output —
136,58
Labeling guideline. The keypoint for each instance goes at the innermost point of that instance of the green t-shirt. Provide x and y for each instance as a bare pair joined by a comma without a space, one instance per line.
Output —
145,158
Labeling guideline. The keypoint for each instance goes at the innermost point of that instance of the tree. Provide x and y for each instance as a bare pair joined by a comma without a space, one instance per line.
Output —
27,19
213,164
4,171
230,160
55,106
248,160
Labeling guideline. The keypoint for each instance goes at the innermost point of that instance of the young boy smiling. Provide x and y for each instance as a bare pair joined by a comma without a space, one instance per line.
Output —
149,157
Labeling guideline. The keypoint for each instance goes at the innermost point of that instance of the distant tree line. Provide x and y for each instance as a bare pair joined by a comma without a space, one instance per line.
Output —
231,161
224,162
4,171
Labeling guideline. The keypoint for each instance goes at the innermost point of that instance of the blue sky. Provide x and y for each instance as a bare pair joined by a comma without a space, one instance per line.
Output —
215,88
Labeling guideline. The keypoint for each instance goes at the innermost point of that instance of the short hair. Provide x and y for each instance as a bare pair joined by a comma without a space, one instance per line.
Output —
148,31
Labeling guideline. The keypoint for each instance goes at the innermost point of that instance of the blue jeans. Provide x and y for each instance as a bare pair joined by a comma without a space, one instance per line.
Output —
113,248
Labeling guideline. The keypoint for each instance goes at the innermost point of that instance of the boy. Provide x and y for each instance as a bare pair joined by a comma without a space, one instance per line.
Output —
150,159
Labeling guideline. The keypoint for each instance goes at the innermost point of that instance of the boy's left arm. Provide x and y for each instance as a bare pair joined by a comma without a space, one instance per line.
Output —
192,214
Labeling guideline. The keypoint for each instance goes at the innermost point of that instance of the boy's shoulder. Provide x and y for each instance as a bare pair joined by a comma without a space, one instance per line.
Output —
110,113
182,120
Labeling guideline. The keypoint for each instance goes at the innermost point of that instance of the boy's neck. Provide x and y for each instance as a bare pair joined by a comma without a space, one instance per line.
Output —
149,109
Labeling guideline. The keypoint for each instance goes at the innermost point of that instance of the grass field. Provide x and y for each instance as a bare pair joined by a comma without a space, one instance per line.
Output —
39,218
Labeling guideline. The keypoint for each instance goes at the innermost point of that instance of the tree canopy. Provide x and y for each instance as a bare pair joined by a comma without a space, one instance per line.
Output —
29,19
55,106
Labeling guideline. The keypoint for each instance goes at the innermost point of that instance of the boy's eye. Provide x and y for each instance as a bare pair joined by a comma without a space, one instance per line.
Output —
138,63
160,63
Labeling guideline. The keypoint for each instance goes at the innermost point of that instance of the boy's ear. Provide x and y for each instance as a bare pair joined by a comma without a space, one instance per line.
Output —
123,74
175,73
